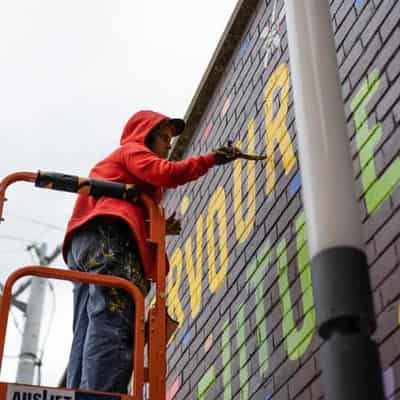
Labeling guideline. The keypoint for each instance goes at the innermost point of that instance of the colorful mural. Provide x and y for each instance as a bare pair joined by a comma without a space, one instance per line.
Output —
240,281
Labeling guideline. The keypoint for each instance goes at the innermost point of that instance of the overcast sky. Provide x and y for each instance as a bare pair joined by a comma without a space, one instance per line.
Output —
72,73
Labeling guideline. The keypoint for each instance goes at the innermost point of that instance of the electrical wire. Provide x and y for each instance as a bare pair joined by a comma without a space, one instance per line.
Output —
38,222
16,238
17,250
21,288
13,357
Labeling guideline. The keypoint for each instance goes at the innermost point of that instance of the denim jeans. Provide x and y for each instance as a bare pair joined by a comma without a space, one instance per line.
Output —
101,353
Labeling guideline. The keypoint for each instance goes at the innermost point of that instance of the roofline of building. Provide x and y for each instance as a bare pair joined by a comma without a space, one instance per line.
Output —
233,33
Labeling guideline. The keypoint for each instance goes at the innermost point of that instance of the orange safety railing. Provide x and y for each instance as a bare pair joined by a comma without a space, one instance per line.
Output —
84,277
156,371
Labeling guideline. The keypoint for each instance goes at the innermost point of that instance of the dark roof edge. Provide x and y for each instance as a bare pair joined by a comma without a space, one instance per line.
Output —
214,72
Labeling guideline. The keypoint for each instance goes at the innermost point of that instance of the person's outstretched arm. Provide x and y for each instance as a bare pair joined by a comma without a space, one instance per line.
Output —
149,168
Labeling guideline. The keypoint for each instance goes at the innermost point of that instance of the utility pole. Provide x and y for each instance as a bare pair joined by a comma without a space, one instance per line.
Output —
30,339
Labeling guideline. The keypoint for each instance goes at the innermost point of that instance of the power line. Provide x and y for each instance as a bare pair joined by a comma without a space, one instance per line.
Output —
38,222
15,238
21,288
14,301
16,250
9,356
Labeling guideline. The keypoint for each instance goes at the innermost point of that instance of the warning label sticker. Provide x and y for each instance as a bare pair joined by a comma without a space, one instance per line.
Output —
19,392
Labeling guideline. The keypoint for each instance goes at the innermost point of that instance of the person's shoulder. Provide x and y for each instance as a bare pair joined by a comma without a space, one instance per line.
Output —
109,157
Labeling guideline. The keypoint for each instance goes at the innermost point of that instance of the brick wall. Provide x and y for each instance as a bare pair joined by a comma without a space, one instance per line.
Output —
240,280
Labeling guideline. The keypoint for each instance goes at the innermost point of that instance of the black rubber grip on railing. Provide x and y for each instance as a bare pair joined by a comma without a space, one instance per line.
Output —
86,186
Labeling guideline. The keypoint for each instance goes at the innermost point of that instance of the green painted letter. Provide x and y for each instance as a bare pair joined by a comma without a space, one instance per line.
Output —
296,340
241,345
205,382
226,362
377,190
254,276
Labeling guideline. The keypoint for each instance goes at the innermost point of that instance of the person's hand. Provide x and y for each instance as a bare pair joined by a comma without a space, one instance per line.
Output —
173,225
226,154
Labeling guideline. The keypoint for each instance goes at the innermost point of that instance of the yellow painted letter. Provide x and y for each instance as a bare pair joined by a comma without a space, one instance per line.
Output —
275,127
217,206
174,305
195,273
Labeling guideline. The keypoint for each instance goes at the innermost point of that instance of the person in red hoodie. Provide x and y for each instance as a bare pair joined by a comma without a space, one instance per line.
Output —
108,236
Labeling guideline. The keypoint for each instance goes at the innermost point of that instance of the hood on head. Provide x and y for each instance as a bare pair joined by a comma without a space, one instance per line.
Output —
141,124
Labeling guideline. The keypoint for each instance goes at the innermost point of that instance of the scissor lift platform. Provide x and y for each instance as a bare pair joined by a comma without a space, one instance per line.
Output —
155,373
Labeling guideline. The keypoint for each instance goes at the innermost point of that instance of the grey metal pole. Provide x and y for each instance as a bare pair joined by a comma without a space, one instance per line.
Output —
30,339
343,301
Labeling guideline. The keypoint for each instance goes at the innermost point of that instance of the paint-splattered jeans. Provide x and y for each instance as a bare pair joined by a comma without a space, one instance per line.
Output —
101,350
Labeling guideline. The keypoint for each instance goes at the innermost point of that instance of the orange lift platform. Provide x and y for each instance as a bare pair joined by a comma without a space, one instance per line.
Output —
155,372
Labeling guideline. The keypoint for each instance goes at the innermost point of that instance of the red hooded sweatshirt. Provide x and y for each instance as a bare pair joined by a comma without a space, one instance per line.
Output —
135,163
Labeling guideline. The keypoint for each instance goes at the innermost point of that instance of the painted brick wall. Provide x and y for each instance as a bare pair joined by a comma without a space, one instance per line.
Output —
240,280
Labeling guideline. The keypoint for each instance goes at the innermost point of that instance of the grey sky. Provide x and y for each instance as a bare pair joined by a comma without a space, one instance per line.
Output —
72,73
